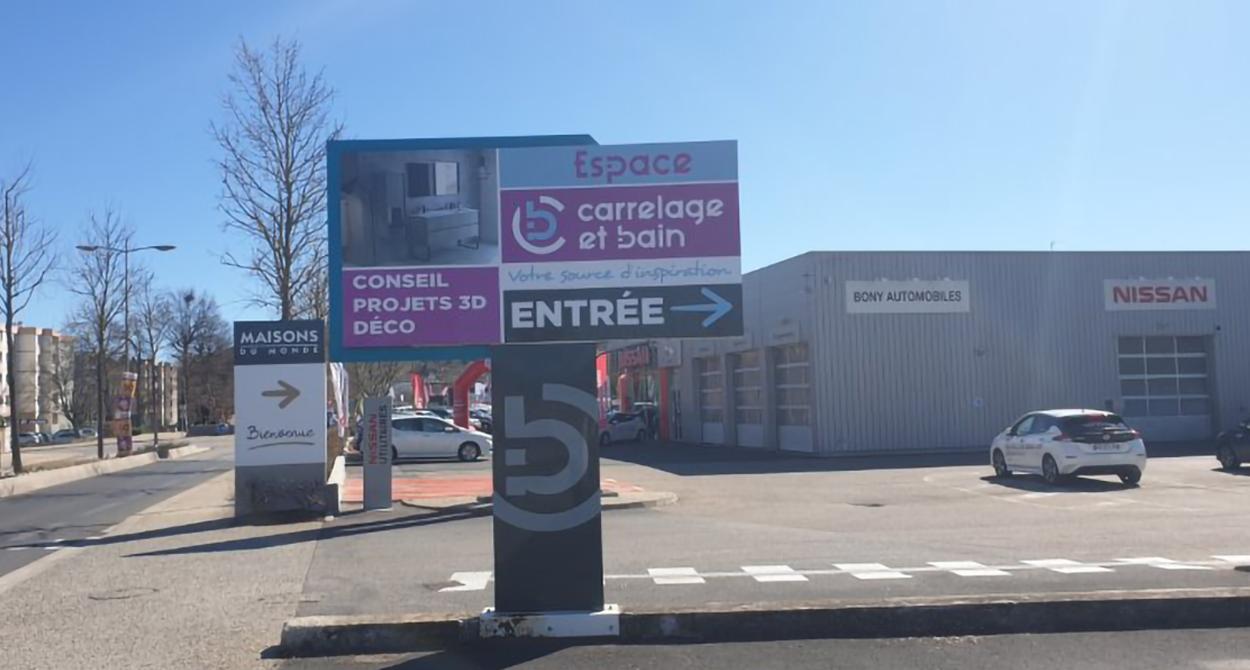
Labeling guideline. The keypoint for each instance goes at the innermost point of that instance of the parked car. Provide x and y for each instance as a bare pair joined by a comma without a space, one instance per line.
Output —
1062,443
44,438
1232,447
66,435
441,412
86,432
481,419
27,439
624,426
425,436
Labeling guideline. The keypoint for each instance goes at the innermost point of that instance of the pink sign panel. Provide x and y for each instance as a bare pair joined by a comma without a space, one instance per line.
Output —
413,307
619,223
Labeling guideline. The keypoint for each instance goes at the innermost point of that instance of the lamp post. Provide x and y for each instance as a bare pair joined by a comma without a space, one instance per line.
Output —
125,251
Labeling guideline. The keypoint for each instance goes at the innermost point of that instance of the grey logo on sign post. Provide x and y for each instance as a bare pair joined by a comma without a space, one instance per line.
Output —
568,436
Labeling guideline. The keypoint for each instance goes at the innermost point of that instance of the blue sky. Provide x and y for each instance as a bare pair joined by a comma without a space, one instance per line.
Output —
862,125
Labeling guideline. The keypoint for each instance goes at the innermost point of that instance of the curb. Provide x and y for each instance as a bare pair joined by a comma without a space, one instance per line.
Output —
22,484
622,501
935,617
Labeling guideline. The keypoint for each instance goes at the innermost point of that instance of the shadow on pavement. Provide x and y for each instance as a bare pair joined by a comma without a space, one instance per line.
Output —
497,656
1071,485
1239,472
692,460
338,528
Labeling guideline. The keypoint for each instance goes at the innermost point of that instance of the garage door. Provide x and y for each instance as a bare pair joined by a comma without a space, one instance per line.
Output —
792,395
748,399
711,399
1164,386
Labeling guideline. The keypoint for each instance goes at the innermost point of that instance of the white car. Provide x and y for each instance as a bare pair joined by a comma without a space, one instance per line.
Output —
623,426
1060,443
426,436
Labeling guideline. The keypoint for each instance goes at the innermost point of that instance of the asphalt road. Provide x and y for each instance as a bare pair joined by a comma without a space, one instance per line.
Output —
1219,649
755,528
34,524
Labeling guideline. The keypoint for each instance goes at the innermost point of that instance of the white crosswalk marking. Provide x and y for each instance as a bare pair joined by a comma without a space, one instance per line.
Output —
469,581
1235,559
1164,563
969,569
870,571
1066,566
675,576
773,573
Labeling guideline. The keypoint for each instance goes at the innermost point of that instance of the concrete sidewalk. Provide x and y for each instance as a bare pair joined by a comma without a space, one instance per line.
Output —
146,596
49,456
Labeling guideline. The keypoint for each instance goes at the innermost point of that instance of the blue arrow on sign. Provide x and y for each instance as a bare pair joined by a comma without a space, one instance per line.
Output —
718,308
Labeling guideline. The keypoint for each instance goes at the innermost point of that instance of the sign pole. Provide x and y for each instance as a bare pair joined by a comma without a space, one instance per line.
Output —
547,524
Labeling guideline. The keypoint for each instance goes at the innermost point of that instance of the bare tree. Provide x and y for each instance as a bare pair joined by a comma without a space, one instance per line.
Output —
314,303
273,144
27,257
196,332
97,279
152,317
370,380
71,378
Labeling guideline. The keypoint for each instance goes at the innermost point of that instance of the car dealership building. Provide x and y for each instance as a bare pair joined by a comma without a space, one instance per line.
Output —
859,352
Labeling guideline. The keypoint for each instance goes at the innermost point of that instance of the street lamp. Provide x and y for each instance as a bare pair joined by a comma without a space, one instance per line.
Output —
125,251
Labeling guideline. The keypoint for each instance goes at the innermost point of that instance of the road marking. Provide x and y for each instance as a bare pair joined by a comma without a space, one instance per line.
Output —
1037,494
870,571
1164,563
1066,566
477,581
469,581
675,576
969,569
773,573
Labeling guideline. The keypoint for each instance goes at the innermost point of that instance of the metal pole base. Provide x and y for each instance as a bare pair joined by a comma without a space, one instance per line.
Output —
603,623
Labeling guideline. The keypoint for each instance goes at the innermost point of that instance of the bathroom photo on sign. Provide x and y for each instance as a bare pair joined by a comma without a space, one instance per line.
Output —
419,208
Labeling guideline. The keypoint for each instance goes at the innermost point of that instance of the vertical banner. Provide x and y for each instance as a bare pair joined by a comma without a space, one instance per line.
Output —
122,402
376,453
603,389
420,392
547,524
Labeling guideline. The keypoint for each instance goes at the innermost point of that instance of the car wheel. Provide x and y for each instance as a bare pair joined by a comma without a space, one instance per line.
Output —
469,452
1131,477
394,454
1050,470
1000,464
1228,458
604,439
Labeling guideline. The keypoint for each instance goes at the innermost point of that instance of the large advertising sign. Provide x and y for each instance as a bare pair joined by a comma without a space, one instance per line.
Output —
447,243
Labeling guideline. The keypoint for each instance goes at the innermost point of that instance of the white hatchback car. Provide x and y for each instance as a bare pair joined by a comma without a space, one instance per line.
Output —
1061,443
427,436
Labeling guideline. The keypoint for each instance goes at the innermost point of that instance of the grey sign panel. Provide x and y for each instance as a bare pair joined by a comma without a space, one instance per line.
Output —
279,342
376,453
547,526
598,314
